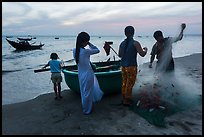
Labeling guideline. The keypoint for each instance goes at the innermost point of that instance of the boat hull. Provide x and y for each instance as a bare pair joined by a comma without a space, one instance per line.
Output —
24,45
27,39
109,78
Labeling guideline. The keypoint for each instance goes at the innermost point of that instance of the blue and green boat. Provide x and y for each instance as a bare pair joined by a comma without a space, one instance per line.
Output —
108,74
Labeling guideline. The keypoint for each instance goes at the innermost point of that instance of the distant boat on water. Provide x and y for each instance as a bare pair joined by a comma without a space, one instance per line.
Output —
24,45
27,39
56,37
9,36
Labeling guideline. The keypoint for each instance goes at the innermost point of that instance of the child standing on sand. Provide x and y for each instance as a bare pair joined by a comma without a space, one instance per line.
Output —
55,68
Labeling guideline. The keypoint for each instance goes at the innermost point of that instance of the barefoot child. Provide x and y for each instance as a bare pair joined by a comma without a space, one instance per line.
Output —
55,68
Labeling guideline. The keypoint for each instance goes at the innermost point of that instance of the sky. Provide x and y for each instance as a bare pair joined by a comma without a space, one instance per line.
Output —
99,18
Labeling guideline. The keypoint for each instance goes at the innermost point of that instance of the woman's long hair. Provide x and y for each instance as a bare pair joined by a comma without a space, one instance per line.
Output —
81,38
129,33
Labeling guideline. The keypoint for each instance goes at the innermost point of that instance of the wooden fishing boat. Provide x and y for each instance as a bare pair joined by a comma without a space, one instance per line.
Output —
24,45
108,74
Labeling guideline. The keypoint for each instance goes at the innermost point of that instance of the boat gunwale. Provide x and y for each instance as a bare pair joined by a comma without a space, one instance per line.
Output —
105,72
112,72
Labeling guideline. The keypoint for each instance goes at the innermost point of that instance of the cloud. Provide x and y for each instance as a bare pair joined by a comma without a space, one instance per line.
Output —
63,15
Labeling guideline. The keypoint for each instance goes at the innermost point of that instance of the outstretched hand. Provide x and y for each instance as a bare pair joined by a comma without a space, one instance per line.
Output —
145,48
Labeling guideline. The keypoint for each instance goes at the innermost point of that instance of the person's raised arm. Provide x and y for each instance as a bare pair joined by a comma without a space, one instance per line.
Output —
142,51
93,48
180,36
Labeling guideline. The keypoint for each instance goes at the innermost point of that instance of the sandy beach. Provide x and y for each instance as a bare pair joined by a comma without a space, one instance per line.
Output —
46,116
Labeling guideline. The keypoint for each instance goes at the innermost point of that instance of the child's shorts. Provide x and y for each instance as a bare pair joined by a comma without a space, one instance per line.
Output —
56,77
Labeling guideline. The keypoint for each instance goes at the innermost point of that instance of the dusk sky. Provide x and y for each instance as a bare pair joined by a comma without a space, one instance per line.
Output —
99,18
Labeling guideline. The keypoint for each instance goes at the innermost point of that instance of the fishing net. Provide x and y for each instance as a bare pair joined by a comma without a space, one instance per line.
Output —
159,97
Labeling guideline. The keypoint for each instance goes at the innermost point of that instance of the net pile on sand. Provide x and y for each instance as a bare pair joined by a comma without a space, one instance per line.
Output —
163,96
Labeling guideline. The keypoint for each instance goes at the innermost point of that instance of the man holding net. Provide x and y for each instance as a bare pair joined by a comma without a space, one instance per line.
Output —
163,50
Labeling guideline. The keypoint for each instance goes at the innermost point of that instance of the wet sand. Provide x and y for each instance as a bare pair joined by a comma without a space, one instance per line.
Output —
46,116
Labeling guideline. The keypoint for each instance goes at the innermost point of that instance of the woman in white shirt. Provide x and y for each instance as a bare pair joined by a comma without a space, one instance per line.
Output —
89,87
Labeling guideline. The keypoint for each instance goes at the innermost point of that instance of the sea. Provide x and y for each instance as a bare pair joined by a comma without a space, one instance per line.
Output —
20,83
